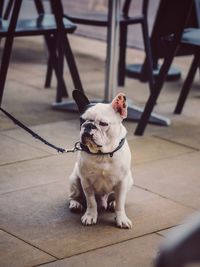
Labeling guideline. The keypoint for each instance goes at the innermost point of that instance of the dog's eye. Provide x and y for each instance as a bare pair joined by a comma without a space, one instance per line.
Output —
101,123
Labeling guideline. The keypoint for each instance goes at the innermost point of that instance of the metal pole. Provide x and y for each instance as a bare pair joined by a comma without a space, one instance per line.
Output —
112,50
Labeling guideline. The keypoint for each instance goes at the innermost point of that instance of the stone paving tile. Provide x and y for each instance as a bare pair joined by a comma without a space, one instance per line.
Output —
13,151
14,252
176,178
181,133
40,216
33,107
31,98
62,134
36,172
25,77
137,252
151,149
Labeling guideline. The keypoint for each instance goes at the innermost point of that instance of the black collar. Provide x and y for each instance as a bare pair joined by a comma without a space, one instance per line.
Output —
86,149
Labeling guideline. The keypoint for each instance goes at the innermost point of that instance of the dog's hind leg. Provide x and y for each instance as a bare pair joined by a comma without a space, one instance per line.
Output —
76,194
111,202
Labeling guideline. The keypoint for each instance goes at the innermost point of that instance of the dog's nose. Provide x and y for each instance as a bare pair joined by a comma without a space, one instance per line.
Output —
90,126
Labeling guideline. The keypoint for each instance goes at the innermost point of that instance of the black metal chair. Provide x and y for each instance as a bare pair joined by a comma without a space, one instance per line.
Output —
48,25
125,21
181,246
191,38
166,10
171,45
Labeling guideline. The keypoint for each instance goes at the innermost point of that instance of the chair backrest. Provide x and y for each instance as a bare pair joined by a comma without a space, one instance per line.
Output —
171,18
39,6
197,9
127,4
5,10
1,8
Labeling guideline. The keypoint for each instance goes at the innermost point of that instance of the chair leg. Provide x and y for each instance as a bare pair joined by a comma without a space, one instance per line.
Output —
122,55
8,9
1,8
155,93
60,67
72,65
187,84
58,12
50,41
8,47
49,74
148,67
40,9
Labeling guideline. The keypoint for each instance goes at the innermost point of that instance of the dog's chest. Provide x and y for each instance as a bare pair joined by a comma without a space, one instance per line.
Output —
102,175
103,181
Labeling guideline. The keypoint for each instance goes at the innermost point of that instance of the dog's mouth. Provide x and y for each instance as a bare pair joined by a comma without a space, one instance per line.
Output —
87,139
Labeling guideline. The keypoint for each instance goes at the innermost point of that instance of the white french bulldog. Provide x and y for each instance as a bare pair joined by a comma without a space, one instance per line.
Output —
102,172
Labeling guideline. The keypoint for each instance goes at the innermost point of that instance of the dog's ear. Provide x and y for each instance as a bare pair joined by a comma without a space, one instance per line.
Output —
81,100
119,105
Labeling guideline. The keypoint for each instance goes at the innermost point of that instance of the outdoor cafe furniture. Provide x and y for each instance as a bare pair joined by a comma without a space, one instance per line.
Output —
180,37
125,20
47,26
134,112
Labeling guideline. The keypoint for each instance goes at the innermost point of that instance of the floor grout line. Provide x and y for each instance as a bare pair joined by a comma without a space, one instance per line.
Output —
119,242
44,263
28,243
177,143
28,144
26,160
161,234
165,158
157,194
29,188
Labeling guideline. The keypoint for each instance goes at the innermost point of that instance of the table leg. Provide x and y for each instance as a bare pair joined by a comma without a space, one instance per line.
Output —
112,50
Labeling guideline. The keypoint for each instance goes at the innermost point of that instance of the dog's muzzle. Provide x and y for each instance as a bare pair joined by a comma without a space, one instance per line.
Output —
87,129
89,126
87,135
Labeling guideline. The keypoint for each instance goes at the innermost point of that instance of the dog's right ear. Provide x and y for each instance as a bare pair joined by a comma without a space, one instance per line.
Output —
81,100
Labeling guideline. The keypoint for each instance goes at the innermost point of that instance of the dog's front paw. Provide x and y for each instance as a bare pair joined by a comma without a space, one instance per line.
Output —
122,220
75,206
89,218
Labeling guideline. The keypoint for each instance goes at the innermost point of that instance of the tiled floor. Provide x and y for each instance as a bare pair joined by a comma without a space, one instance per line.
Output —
36,227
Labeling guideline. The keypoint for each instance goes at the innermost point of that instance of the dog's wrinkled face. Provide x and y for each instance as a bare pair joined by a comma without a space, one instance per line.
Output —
95,129
101,123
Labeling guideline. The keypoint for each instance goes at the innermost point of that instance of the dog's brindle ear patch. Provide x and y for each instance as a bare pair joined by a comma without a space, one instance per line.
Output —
119,105
81,100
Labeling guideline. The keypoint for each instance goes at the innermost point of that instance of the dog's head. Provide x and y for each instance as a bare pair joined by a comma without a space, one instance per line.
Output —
101,124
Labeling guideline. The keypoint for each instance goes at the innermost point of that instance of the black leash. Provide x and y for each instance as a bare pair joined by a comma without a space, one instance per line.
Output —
24,127
77,147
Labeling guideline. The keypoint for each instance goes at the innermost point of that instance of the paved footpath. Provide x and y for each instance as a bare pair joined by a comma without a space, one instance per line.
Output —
36,227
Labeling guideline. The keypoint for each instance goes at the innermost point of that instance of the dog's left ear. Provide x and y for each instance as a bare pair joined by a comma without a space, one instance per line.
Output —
119,105
81,100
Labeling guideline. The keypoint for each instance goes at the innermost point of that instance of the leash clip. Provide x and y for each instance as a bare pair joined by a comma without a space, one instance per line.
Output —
76,147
